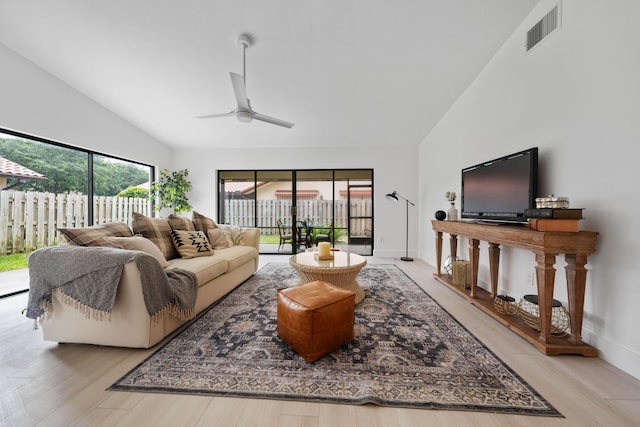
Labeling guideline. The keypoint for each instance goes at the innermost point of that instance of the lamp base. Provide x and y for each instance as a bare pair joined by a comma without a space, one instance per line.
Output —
406,258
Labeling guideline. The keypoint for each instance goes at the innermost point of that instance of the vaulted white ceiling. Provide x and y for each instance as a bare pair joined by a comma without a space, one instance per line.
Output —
346,72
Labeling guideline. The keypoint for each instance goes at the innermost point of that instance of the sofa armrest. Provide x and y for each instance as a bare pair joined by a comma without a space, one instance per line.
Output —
251,237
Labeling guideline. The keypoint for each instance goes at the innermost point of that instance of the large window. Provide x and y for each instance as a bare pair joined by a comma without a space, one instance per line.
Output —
296,208
46,185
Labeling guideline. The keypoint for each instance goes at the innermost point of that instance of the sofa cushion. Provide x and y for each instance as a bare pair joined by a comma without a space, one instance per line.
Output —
237,255
202,223
191,244
232,234
157,230
138,243
205,268
180,223
217,238
94,236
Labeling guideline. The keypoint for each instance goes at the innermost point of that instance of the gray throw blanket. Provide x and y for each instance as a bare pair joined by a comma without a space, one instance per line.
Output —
88,277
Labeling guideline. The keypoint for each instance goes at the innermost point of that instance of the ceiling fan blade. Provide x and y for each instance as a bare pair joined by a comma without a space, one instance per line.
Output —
272,120
241,92
211,116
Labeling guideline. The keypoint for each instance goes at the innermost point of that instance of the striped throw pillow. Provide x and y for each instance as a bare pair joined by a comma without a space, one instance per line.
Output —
157,230
94,236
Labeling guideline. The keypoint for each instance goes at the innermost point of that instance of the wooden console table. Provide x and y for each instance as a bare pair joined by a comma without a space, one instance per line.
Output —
546,246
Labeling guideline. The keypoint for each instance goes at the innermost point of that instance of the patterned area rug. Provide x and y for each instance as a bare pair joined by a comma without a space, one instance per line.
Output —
407,352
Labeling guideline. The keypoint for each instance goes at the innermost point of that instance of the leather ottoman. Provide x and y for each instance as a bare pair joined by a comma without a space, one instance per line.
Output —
315,318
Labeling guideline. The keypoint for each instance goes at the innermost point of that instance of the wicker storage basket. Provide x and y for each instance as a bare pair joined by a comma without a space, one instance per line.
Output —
504,304
529,312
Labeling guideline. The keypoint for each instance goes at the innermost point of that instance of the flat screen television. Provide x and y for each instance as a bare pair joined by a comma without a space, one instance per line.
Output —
500,190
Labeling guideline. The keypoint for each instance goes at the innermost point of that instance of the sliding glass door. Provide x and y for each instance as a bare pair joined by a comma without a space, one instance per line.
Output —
294,209
275,215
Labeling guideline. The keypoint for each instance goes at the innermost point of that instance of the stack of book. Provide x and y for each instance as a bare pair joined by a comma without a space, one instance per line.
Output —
554,219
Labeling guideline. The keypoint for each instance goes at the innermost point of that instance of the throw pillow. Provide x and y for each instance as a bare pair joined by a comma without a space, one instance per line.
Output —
217,239
202,223
233,234
180,223
138,243
191,244
157,230
94,236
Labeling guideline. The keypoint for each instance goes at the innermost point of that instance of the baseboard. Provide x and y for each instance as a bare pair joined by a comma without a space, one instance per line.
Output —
612,352
388,254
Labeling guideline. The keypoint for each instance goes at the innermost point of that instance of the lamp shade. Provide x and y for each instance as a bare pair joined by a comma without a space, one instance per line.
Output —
392,196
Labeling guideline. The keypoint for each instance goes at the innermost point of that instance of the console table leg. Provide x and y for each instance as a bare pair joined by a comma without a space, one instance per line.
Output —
474,255
576,284
453,244
494,263
545,277
439,252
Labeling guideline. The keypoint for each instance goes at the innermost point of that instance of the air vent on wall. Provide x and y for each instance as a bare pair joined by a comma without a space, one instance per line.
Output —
543,28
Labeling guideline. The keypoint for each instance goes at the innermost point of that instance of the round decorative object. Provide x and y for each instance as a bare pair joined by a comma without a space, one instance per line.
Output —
441,215
504,304
529,312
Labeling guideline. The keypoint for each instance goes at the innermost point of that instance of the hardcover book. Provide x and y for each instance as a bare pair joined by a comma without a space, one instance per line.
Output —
558,213
552,224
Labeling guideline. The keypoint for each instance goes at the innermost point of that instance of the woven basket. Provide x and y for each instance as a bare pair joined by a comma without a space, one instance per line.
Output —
529,312
504,304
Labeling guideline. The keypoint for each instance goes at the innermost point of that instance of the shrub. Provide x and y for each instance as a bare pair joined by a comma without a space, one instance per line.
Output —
134,192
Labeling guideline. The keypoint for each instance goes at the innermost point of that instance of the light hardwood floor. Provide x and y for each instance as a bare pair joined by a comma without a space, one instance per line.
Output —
49,384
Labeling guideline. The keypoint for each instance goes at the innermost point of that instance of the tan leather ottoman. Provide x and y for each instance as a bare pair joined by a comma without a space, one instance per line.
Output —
315,318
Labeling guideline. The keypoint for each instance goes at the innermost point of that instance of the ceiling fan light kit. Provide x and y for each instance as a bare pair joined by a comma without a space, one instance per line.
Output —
244,112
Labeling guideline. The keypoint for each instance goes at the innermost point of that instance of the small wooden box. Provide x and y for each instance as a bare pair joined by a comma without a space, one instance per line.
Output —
461,274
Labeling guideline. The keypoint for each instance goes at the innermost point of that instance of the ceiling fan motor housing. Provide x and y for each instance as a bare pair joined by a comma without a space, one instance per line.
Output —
244,116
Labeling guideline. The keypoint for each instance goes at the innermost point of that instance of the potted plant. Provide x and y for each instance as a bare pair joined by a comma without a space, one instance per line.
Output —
170,191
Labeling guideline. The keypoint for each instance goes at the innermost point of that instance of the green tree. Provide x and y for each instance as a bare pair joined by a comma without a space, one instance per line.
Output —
66,169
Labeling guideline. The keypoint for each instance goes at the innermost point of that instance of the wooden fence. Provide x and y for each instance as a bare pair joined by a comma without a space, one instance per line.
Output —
320,212
28,220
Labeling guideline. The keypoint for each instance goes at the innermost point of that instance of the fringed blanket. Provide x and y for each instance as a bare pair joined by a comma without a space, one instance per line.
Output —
87,278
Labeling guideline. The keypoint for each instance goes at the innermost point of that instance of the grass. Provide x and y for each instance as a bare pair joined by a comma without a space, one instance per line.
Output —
13,262
269,239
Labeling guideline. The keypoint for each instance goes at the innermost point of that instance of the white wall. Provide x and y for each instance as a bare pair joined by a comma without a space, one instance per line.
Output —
35,102
394,169
577,97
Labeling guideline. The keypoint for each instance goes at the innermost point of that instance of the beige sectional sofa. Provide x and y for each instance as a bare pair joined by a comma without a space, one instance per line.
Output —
130,325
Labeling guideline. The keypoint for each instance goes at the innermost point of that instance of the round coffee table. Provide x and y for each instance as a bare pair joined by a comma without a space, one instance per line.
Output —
341,271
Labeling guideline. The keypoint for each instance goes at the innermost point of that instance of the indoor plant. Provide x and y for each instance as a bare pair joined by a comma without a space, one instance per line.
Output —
170,191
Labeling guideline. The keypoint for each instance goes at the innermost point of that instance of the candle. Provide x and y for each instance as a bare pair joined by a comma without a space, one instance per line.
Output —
324,249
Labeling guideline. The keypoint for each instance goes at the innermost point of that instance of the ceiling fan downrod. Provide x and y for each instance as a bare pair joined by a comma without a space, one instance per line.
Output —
244,41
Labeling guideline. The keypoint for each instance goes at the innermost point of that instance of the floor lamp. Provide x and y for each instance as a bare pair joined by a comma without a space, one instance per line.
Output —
394,196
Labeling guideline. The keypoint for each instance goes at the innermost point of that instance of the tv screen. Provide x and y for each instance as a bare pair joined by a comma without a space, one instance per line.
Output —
501,189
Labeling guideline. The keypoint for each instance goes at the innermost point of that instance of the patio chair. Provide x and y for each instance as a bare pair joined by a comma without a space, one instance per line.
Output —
322,237
284,237
304,233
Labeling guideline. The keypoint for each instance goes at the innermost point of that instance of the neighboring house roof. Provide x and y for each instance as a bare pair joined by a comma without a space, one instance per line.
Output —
364,192
11,169
243,187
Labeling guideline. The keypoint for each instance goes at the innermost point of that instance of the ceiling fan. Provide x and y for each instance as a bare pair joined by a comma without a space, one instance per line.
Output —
244,112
